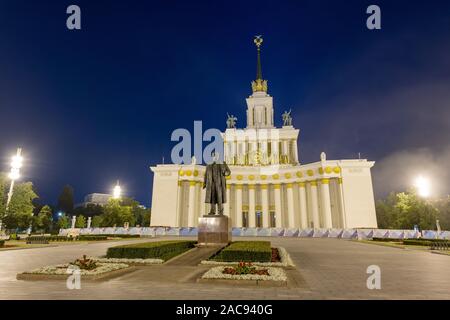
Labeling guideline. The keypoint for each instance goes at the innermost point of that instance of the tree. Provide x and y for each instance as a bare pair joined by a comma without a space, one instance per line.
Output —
65,200
116,214
96,221
20,210
63,222
45,218
80,222
443,206
404,210
91,210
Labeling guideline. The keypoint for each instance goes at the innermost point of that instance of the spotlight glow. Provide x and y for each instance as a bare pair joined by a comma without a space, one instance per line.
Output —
16,162
117,192
423,186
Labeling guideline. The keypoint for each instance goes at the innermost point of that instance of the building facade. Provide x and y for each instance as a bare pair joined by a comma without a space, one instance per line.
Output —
268,186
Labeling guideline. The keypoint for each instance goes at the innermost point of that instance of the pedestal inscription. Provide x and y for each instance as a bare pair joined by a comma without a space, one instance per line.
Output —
214,229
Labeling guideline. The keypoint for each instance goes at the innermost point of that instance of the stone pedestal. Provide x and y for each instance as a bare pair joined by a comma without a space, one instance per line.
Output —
214,229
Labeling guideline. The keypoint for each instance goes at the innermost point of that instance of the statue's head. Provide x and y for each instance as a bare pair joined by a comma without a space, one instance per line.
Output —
215,156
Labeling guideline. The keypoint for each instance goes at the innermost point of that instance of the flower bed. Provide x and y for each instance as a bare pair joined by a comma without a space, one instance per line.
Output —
284,261
85,267
164,250
62,269
222,272
129,261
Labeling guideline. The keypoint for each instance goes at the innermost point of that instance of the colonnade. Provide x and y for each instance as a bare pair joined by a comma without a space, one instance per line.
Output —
308,204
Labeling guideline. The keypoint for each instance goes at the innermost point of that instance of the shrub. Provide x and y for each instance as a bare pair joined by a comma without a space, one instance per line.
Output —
248,251
91,238
2,243
156,250
14,236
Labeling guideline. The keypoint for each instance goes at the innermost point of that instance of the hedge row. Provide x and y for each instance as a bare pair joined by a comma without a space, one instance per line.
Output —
248,251
49,238
120,235
150,250
64,238
423,242
386,239
91,238
2,243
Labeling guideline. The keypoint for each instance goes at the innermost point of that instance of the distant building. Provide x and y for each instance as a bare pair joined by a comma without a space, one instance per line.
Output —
96,198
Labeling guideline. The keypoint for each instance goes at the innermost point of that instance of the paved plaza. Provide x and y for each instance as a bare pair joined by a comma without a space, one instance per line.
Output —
325,269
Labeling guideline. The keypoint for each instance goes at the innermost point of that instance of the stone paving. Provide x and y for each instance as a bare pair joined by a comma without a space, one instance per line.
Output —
326,269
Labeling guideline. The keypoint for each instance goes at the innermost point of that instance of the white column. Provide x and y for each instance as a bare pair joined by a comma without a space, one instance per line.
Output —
285,151
202,199
251,206
341,203
191,208
265,205
314,205
239,205
277,198
294,143
236,151
303,210
179,207
290,205
244,151
326,203
275,152
226,208
254,150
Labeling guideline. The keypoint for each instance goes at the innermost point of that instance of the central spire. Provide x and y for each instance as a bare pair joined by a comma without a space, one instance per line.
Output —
259,85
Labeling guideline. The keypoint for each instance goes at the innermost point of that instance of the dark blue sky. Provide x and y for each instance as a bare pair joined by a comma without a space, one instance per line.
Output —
99,104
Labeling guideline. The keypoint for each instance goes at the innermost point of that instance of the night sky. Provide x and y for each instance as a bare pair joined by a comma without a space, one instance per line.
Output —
99,104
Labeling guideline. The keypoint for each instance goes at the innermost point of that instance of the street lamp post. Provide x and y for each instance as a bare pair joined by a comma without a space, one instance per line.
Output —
14,174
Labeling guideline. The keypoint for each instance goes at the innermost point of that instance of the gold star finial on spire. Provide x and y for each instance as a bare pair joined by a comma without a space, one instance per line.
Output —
259,85
258,41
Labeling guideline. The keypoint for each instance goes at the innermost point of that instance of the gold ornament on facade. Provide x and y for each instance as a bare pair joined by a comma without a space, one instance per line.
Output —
188,173
276,176
181,173
195,173
251,177
263,177
337,170
299,174
328,170
287,175
239,177
310,172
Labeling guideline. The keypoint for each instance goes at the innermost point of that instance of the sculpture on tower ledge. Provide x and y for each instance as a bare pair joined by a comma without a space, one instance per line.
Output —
287,119
215,184
231,121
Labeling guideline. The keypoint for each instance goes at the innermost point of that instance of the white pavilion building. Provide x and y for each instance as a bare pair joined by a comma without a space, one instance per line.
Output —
268,186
